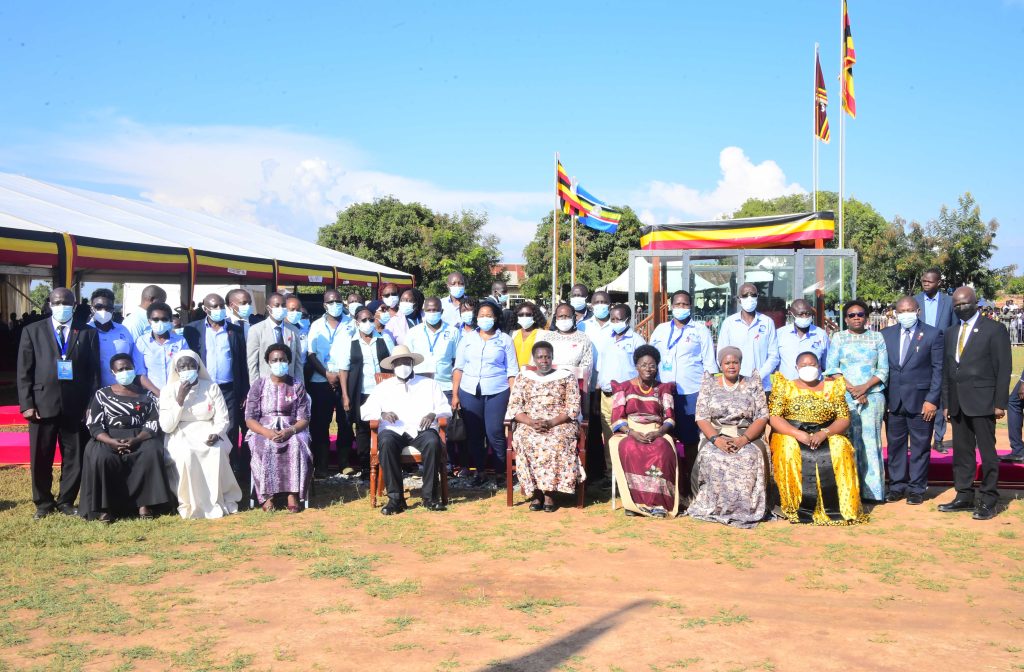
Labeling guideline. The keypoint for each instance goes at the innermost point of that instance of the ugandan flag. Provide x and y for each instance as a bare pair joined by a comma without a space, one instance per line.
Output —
820,103
797,230
848,101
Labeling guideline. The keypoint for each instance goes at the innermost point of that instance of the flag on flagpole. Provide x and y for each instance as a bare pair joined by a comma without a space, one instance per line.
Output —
590,211
848,101
820,103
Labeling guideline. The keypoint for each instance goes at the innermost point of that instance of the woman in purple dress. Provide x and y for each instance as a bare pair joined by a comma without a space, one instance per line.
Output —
277,415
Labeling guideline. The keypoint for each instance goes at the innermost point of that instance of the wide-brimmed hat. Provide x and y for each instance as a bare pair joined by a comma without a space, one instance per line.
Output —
401,352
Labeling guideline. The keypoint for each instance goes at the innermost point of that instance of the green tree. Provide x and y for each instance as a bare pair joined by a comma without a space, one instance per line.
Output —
965,245
600,257
40,295
413,238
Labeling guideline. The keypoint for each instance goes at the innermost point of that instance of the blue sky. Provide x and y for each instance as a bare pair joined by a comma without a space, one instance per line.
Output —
282,113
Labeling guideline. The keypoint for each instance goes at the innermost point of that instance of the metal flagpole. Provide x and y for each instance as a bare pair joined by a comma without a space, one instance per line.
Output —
554,242
814,133
842,143
572,242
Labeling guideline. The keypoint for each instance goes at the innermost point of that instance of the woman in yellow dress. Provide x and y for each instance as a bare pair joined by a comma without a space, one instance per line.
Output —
814,463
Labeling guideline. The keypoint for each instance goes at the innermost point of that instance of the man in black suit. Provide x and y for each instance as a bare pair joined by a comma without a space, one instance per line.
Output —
221,345
975,392
913,393
58,373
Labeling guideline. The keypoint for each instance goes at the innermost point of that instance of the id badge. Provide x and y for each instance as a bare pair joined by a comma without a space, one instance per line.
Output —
64,370
666,365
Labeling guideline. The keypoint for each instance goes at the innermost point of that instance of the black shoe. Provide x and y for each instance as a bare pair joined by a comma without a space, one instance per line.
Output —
435,505
392,507
939,448
984,512
105,518
67,509
536,505
550,508
915,498
894,496
41,513
1013,459
477,482
957,505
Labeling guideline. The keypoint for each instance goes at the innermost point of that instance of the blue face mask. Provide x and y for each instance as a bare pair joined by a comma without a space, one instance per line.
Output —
578,303
354,307
619,327
467,316
601,310
278,313
218,314
160,327
62,313
334,309
485,323
681,314
503,298
188,375
279,368
384,316
457,291
294,316
433,319
244,311
406,308
125,377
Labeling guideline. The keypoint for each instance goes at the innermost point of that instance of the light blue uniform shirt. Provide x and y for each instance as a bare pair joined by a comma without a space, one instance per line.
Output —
153,359
685,354
218,355
118,340
931,310
487,363
341,357
320,340
438,350
599,334
792,345
758,342
136,323
615,359
450,313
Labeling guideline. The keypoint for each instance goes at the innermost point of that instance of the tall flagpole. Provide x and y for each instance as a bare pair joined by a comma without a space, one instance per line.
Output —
572,242
842,145
814,133
554,242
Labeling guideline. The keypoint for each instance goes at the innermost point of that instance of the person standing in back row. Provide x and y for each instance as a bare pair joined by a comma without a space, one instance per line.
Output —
325,385
936,311
137,321
275,329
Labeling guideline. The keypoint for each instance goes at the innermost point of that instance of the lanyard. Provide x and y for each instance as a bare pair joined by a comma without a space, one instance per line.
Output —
67,340
433,343
672,330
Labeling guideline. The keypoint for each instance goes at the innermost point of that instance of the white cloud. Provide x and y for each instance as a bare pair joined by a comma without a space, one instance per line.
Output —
741,179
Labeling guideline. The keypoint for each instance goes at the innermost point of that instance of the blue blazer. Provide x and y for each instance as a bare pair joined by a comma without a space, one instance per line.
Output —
944,318
195,336
920,378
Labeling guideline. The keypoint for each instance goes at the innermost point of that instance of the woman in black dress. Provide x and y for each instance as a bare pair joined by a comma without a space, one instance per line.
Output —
123,468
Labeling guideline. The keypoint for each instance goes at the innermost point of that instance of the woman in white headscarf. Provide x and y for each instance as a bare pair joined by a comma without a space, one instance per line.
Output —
195,418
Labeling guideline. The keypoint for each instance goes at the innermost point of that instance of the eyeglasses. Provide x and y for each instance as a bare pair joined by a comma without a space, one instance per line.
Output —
366,319
851,316
386,295
748,295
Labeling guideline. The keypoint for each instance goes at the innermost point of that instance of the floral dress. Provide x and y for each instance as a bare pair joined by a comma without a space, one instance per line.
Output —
279,467
546,460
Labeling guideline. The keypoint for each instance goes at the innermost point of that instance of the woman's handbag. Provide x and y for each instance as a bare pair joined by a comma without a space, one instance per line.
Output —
456,427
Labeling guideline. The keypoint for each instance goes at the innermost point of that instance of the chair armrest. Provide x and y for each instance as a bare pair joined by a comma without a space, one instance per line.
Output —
374,425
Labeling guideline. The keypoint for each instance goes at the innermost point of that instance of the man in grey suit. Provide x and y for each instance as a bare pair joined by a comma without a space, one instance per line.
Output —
274,329
936,311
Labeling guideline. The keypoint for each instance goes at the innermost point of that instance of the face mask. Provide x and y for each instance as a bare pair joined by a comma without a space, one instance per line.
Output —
390,301
244,311
366,328
188,375
467,316
405,308
485,323
748,303
578,303
384,317
619,327
802,322
403,371
218,314
808,374
907,320
160,327
457,291
353,308
278,313
294,316
62,313
681,313
601,310
125,377
102,316
966,312
433,319
279,368
565,324
334,309
525,322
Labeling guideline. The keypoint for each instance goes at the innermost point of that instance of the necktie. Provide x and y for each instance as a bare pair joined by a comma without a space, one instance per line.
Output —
60,337
907,334
960,341
278,335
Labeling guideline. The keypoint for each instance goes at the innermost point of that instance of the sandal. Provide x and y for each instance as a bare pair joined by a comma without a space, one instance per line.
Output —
145,513
268,505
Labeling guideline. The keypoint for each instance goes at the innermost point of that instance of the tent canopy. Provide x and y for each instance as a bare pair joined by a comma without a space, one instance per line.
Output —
80,231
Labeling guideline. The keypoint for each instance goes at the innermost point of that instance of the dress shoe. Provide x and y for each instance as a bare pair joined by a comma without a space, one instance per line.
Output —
67,509
435,505
1013,459
41,513
957,505
939,448
536,505
984,512
392,507
915,498
894,496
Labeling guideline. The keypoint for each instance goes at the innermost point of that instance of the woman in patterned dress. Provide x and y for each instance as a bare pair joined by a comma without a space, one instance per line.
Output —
732,469
571,346
859,355
277,415
195,418
814,464
644,459
545,405
123,464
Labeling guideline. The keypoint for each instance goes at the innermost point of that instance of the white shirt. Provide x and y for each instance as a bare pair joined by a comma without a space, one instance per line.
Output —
967,336
411,401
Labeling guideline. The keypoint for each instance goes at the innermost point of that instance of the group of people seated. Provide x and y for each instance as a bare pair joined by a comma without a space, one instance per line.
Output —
235,409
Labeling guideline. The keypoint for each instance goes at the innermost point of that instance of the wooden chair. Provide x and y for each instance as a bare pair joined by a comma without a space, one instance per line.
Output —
409,456
581,449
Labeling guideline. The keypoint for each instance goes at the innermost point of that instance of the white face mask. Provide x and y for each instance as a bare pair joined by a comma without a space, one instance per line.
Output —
808,374
102,316
403,371
565,324
907,320
802,322
367,327
406,308
525,321
390,301
748,303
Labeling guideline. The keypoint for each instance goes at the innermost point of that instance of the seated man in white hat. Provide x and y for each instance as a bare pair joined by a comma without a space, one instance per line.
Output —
408,408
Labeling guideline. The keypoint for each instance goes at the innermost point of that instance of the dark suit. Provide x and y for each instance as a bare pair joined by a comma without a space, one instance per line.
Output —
915,380
234,392
971,390
61,405
1015,419
943,320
